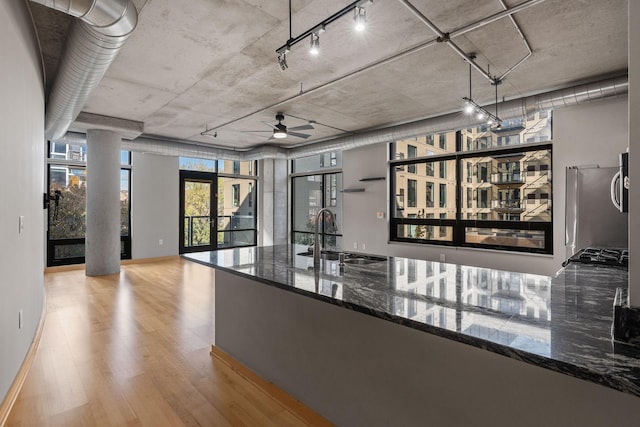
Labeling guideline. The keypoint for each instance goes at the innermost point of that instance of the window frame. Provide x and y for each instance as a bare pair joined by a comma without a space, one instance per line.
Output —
52,244
327,186
460,224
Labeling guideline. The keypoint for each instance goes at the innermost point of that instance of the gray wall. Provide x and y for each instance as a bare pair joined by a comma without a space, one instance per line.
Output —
22,177
587,134
154,205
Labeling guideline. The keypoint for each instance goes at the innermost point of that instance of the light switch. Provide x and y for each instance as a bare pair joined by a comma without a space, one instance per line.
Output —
380,215
20,223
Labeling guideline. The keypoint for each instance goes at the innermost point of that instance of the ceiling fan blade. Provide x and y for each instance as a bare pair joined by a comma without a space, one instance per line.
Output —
303,127
270,124
257,131
298,135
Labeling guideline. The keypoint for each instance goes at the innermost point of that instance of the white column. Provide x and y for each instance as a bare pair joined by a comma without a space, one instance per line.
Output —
102,249
634,153
273,209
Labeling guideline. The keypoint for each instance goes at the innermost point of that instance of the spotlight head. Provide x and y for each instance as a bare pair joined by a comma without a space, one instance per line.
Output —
314,48
481,115
468,108
360,18
282,61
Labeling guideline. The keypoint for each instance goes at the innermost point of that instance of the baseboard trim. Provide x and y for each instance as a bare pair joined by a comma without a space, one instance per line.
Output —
10,399
148,260
297,408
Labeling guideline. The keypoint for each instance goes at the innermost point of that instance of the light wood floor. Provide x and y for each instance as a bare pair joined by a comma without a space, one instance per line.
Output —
133,349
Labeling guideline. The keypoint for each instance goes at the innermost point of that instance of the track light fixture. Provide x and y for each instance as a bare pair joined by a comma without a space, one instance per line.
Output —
360,19
314,48
282,59
472,107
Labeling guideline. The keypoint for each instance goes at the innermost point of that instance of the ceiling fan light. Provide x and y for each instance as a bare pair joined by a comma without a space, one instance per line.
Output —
279,133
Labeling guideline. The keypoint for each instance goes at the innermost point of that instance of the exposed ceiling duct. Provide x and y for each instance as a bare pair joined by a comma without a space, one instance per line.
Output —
93,43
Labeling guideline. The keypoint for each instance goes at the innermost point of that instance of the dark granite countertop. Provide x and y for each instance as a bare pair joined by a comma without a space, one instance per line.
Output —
562,323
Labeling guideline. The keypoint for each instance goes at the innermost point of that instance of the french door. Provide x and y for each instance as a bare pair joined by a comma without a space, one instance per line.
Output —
198,213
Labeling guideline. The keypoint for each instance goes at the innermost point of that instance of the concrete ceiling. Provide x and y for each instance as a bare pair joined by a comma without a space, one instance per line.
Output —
211,64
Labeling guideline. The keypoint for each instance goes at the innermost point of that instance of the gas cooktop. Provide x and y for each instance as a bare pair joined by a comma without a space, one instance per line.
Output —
602,256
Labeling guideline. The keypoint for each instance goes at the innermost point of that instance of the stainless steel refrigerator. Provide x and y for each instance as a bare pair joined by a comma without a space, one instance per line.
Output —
591,219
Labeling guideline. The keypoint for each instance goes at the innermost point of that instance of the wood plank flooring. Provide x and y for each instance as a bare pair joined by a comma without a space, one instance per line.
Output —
133,349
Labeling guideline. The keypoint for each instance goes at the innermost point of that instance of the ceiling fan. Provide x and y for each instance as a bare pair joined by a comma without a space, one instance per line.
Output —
281,131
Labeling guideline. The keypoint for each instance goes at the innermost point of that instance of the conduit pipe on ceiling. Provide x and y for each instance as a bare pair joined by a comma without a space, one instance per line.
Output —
92,45
417,48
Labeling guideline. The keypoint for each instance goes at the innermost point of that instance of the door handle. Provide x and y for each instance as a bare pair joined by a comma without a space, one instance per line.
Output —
616,189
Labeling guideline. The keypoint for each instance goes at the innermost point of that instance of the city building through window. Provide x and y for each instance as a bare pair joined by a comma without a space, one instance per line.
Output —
492,188
316,183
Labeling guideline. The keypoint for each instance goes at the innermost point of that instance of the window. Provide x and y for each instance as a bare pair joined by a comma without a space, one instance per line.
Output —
429,140
224,218
496,198
235,194
318,162
412,151
429,194
443,195
429,166
313,190
67,189
412,186
442,141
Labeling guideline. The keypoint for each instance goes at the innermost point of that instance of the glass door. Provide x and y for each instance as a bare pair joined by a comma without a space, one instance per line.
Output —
198,214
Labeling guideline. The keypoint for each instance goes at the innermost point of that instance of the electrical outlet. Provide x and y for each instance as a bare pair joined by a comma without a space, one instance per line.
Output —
355,245
20,319
364,246
20,224
442,258
161,242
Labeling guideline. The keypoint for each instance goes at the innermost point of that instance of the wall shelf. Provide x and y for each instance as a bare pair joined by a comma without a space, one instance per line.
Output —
375,178
353,190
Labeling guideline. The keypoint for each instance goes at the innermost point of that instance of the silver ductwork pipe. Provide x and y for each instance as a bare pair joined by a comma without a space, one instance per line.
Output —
563,98
168,147
92,45
506,110
201,151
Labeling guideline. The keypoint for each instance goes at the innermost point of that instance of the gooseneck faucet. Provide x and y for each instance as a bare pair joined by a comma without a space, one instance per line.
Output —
316,242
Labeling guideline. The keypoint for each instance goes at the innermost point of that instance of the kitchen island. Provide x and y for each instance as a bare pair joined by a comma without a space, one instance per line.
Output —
397,341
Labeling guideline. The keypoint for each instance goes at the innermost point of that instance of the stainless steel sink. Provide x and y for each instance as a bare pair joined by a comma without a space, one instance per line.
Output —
349,258
328,256
360,261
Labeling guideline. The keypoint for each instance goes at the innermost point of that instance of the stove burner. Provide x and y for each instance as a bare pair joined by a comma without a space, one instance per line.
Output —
602,256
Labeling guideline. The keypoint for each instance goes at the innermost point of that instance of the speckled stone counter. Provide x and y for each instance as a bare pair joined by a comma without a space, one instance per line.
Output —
562,323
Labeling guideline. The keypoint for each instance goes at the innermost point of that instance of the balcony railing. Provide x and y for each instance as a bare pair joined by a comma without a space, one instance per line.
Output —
507,178
510,205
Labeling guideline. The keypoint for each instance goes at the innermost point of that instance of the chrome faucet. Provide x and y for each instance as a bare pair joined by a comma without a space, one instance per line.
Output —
316,242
